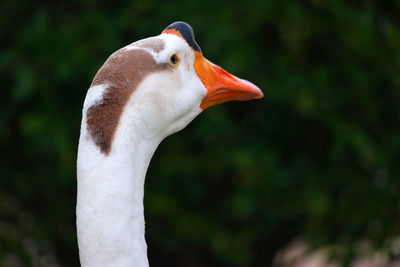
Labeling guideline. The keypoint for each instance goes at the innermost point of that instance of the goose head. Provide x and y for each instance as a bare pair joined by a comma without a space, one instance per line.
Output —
161,83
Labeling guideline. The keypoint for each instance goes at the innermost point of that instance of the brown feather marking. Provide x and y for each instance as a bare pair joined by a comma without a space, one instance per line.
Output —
155,44
123,70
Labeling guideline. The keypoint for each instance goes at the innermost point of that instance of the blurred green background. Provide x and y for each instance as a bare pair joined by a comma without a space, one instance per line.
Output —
317,158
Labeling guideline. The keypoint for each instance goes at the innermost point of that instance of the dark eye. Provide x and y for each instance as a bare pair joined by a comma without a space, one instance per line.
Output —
174,60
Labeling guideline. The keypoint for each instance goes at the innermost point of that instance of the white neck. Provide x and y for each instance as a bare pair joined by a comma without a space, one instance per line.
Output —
110,218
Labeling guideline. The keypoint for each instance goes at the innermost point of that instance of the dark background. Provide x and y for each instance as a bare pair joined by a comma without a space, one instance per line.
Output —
317,158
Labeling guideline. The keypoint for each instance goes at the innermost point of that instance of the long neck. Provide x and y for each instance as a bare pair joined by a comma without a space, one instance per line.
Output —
110,218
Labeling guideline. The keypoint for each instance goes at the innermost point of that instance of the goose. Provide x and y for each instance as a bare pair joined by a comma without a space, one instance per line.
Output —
143,93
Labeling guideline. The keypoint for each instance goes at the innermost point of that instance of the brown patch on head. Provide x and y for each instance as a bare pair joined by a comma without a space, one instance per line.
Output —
123,70
155,44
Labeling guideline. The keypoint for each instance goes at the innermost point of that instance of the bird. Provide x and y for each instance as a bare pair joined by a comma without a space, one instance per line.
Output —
143,93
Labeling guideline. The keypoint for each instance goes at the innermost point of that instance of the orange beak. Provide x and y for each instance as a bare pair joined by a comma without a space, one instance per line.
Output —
221,85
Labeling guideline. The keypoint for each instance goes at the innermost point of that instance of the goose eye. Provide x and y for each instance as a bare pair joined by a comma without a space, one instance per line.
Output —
174,60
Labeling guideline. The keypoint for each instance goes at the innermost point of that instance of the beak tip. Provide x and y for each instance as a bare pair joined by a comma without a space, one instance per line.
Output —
257,93
260,94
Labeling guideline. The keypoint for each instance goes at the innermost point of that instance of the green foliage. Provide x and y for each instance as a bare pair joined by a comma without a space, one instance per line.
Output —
318,157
